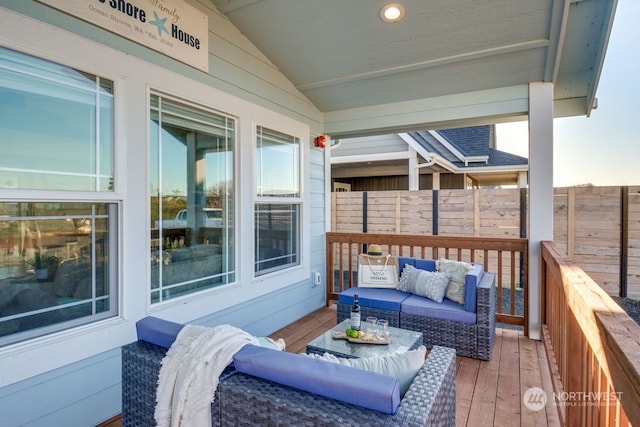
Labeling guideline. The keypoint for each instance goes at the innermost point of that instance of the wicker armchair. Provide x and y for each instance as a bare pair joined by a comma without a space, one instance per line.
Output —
469,339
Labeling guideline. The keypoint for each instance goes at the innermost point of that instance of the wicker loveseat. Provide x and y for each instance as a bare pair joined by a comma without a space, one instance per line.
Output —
469,328
300,390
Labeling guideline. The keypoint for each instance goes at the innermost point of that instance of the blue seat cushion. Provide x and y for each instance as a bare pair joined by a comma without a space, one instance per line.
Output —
382,299
447,309
158,331
472,280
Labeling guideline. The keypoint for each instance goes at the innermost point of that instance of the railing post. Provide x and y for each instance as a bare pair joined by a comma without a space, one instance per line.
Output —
523,227
624,239
434,213
365,210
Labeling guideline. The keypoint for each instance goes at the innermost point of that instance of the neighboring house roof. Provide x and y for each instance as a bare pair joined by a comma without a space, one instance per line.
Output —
466,147
469,150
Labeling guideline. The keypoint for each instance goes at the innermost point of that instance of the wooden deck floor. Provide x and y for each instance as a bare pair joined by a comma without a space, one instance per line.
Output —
487,393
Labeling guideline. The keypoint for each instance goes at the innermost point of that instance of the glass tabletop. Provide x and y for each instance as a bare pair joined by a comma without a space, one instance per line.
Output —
400,340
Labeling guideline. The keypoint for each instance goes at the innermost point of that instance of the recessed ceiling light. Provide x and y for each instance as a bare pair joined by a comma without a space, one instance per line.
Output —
392,12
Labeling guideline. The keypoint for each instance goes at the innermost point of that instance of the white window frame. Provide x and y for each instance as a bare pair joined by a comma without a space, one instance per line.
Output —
301,271
95,337
203,107
291,200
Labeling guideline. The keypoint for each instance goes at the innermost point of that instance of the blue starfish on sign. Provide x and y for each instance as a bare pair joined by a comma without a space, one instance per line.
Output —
159,23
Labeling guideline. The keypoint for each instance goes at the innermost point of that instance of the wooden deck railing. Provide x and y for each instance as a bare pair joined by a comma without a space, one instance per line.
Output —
507,258
595,345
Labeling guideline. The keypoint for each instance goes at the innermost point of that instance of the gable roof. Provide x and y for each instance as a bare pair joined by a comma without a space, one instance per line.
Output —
467,147
467,151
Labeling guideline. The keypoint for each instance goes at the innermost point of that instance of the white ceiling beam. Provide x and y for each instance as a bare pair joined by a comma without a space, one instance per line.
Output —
557,31
423,65
474,108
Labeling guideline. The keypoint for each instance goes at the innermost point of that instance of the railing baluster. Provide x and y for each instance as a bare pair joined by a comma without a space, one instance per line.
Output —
596,346
462,248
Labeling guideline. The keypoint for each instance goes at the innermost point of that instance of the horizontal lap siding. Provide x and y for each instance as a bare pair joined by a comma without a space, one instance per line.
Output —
92,386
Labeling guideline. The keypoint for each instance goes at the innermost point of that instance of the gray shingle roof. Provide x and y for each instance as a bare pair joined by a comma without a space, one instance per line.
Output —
470,141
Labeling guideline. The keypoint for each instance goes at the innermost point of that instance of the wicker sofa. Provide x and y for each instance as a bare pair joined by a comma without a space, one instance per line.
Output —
469,328
301,390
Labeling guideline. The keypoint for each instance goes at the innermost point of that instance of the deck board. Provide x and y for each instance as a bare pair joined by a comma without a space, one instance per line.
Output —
530,377
508,387
483,402
488,393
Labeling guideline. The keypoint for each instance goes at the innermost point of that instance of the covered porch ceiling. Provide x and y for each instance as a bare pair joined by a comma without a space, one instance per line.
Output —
447,63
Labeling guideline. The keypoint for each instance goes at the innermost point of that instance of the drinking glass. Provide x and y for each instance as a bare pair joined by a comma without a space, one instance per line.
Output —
383,329
370,325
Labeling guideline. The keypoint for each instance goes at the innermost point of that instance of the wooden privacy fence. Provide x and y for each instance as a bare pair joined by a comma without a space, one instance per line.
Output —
598,227
595,346
502,256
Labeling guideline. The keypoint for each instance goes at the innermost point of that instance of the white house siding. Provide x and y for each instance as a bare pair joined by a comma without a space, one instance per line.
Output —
73,379
370,145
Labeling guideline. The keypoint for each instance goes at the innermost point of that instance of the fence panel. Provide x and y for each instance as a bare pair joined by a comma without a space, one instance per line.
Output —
587,227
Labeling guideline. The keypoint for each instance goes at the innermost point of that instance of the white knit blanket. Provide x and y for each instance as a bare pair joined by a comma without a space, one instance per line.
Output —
190,373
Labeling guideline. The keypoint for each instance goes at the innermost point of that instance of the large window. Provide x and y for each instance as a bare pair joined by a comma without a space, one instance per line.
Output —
56,126
58,255
192,199
278,203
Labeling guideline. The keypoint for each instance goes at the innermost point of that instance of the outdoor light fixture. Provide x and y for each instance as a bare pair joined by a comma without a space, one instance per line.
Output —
320,141
392,12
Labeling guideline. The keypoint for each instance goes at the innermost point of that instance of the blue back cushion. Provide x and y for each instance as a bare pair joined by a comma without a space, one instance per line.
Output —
471,281
422,264
355,386
158,331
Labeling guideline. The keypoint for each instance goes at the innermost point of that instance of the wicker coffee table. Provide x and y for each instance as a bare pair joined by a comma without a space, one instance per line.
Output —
400,340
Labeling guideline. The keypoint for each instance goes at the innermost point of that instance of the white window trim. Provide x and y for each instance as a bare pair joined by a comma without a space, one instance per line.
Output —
69,346
152,91
301,271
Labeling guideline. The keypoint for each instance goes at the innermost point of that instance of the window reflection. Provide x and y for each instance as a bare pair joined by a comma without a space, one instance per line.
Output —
54,266
58,259
276,236
192,203
277,208
56,126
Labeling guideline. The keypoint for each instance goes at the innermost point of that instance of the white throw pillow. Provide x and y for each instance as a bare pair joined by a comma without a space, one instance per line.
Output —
271,343
429,284
403,366
457,273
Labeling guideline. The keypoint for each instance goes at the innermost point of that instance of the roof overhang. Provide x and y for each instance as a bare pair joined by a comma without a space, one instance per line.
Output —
448,63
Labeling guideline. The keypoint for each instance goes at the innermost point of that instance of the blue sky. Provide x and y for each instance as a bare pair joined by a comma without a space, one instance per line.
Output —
603,149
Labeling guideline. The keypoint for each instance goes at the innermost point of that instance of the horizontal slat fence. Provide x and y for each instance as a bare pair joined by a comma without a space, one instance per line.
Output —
592,225
504,254
595,346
